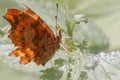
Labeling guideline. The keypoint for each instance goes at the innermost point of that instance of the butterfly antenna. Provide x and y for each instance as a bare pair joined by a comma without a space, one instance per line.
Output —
56,17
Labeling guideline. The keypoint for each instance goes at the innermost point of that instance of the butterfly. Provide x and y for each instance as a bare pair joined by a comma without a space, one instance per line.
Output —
34,39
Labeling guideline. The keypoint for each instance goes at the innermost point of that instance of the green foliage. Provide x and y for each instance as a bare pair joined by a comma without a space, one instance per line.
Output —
70,69
59,62
71,60
70,44
69,75
70,27
54,72
51,74
70,24
83,46
83,76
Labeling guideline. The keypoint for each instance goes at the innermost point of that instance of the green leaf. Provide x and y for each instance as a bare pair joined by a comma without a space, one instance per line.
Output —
51,74
59,62
83,76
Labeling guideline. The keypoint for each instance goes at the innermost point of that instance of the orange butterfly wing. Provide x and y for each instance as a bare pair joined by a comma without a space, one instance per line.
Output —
35,41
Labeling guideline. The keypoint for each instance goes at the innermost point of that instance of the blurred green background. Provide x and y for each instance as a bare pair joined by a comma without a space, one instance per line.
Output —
103,14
